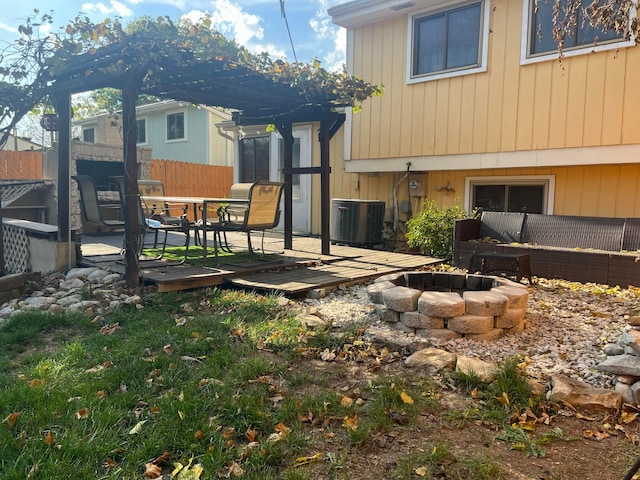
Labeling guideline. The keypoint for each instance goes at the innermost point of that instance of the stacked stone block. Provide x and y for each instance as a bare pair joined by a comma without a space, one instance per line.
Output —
449,305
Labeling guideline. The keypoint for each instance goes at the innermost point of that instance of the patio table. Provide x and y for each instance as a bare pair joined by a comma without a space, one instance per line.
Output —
204,202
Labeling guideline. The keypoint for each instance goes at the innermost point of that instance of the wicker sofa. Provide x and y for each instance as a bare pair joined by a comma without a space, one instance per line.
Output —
583,249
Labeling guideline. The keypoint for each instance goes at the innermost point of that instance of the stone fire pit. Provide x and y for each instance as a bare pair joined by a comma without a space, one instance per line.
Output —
447,305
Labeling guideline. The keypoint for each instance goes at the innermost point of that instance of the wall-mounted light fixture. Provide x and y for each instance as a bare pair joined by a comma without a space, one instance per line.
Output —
447,189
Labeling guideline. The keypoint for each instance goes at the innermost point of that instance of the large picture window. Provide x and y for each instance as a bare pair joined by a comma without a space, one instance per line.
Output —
511,194
582,37
254,159
448,41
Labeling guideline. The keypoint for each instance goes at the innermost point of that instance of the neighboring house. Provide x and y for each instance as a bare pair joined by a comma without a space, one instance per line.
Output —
478,107
172,130
21,144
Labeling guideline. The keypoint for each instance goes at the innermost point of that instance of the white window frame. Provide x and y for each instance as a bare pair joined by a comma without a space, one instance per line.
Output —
485,10
166,125
93,127
549,181
525,43
146,130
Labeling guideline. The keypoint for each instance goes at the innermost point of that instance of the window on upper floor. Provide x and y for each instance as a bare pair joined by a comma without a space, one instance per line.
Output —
448,42
141,131
538,40
175,126
89,134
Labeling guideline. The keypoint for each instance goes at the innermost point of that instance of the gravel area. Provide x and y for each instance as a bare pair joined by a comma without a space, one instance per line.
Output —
568,324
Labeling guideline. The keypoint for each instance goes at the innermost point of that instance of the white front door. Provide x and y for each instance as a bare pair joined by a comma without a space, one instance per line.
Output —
301,183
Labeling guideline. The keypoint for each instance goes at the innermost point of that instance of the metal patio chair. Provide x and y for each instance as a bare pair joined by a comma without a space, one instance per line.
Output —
261,213
91,209
155,224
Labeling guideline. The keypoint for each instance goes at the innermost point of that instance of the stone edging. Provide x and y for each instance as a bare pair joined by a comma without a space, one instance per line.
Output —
446,305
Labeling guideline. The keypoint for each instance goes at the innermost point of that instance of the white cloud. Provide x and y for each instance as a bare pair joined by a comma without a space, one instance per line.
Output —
273,51
234,23
114,7
230,20
8,28
324,29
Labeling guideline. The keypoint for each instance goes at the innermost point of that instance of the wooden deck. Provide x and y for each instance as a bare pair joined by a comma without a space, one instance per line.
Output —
295,273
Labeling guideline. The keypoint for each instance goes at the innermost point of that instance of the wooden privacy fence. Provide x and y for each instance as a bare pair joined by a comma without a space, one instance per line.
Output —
20,165
178,178
192,179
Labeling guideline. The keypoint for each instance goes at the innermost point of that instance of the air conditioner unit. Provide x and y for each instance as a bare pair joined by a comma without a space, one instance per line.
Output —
356,222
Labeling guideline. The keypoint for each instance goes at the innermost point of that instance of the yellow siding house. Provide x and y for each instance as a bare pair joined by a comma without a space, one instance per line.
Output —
479,108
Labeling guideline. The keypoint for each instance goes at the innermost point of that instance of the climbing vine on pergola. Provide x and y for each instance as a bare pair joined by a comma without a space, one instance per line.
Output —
183,61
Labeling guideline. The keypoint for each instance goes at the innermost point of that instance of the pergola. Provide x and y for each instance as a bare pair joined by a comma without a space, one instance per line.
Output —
254,96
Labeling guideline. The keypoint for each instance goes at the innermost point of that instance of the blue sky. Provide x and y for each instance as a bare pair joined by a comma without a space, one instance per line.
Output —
256,24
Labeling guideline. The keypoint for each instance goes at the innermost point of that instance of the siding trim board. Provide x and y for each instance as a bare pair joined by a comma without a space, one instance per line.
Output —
601,155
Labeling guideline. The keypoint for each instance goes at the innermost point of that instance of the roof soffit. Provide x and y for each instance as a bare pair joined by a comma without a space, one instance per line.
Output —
363,12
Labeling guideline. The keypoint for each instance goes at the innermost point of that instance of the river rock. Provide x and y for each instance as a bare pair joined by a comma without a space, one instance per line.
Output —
621,365
485,371
583,396
432,359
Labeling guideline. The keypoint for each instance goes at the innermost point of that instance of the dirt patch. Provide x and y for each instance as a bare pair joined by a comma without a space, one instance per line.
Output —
591,446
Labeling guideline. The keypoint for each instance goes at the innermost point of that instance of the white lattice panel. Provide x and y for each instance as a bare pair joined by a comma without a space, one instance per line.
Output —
16,249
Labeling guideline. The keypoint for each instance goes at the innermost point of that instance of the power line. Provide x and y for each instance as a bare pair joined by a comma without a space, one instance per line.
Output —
286,22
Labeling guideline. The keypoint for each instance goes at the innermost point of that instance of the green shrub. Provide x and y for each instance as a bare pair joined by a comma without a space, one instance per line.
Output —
431,230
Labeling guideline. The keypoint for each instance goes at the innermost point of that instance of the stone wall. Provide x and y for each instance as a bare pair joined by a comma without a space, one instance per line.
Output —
88,151
449,305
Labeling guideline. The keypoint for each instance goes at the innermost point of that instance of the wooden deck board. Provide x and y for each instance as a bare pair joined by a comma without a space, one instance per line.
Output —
297,272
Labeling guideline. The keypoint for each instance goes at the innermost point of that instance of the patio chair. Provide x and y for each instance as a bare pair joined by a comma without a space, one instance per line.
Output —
155,223
261,213
229,212
91,209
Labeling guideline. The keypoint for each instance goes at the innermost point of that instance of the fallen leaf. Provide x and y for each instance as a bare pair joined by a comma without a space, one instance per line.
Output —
282,428
327,355
306,418
627,417
168,349
307,460
187,472
260,344
198,435
250,435
228,433
406,398
346,401
109,463
49,440
152,470
110,329
421,471
235,470
101,393
181,321
181,414
35,383
82,413
584,417
138,427
12,418
351,423
154,410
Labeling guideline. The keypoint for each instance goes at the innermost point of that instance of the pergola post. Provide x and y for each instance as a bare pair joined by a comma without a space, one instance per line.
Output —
63,107
329,126
286,131
131,203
